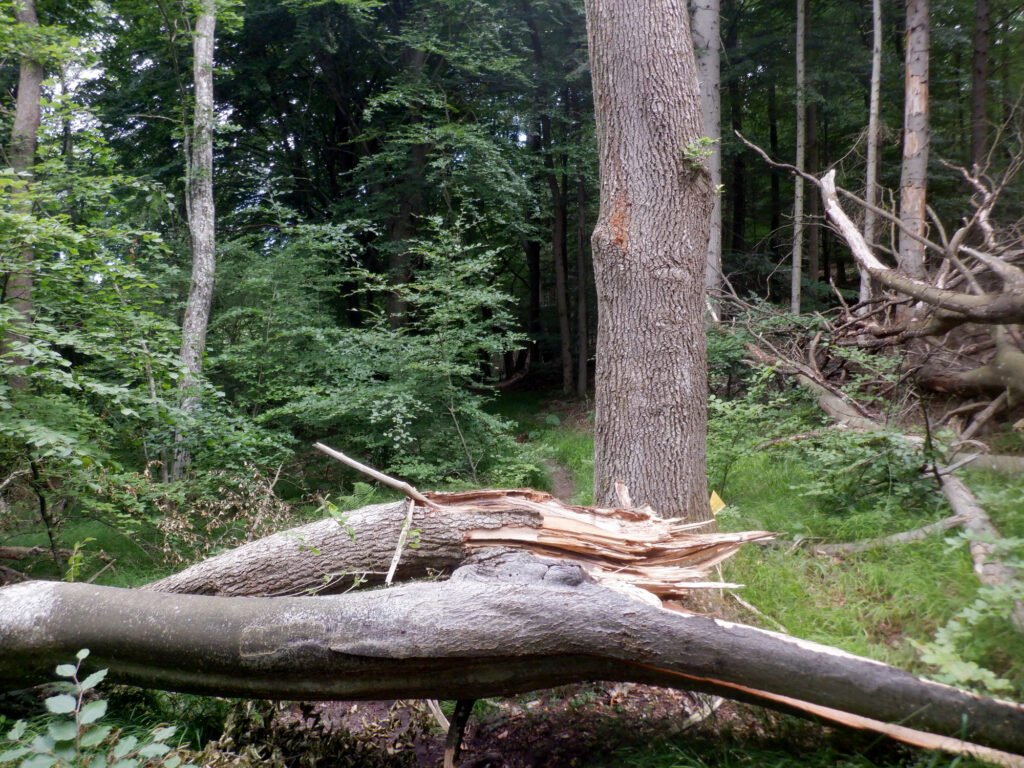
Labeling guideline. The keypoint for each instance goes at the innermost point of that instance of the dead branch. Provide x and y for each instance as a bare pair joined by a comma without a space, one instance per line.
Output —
906,537
380,477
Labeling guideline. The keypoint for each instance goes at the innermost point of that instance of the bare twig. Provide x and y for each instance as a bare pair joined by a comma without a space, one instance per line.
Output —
982,418
380,477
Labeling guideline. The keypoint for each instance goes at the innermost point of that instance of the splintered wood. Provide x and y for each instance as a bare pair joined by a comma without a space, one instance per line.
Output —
629,550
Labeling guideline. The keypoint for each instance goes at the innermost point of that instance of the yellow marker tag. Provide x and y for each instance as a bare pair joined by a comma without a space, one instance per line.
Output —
716,503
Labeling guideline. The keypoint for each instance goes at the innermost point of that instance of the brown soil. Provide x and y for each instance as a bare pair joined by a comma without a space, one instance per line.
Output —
567,727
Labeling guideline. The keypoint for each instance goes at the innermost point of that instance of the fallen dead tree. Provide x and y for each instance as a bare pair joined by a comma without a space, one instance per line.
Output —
503,623
591,594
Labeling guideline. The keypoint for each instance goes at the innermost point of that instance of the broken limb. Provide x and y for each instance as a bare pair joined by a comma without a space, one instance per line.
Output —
503,624
628,548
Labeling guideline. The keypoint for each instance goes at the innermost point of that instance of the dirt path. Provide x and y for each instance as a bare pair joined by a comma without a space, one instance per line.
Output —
563,487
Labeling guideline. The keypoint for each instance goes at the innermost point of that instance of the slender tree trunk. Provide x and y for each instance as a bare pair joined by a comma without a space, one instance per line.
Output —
531,249
201,215
914,175
410,205
801,139
812,230
21,155
874,131
558,255
650,256
979,82
706,17
775,192
403,227
582,285
738,190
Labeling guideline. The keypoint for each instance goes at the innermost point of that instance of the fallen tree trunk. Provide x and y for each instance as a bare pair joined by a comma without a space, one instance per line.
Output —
504,623
624,548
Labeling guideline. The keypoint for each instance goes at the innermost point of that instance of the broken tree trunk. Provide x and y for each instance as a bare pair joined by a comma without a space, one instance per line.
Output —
622,548
504,623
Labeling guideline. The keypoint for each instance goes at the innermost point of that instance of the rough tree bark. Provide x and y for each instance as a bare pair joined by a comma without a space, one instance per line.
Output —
801,148
914,173
649,249
201,214
706,16
21,154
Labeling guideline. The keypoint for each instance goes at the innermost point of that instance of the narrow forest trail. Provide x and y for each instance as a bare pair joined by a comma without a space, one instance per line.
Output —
563,484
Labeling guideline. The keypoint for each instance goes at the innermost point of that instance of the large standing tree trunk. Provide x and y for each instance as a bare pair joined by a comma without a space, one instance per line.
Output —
201,215
801,148
914,174
650,254
874,104
707,47
979,82
21,155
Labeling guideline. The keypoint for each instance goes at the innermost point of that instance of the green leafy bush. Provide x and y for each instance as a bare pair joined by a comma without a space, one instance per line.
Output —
73,735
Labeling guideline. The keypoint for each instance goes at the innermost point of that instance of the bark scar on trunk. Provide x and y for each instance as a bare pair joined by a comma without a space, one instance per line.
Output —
619,222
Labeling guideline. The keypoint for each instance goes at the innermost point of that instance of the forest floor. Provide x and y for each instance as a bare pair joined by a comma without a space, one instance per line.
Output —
886,603
600,725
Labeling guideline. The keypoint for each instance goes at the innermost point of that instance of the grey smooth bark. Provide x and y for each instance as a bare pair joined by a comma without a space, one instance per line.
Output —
650,255
707,46
914,173
201,214
21,154
874,104
503,624
801,149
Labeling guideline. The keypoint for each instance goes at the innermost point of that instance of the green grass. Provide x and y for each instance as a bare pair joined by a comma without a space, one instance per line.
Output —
786,742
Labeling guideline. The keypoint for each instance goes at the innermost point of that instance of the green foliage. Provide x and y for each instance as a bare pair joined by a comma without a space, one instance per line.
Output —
697,152
408,399
72,734
957,648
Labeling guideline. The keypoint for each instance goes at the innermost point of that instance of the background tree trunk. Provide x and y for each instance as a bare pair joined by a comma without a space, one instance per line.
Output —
582,285
650,255
201,214
21,155
801,141
775,191
811,228
914,174
558,253
979,82
873,138
707,49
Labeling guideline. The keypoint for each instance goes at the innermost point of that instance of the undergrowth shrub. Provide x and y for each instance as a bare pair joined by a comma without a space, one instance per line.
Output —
73,733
